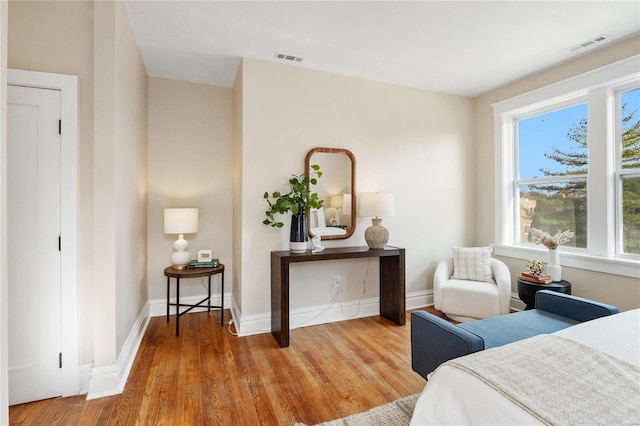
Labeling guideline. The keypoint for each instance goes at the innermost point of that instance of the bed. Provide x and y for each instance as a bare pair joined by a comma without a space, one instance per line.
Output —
585,374
318,224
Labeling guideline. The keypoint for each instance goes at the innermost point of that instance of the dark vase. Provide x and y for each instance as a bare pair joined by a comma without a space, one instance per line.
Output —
298,239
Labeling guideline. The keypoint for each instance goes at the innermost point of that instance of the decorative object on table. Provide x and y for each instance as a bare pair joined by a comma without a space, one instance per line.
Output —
316,241
298,201
551,242
205,255
534,273
535,267
376,205
180,221
205,264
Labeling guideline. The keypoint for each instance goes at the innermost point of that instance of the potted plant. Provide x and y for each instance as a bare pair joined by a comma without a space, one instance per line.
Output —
298,201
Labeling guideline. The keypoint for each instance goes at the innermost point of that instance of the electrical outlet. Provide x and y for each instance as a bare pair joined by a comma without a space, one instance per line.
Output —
337,280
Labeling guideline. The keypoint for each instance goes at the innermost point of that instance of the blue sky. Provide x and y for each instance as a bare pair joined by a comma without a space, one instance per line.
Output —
538,135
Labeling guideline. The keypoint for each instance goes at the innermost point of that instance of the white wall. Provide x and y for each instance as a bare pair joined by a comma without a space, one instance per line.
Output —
190,165
623,292
120,193
4,317
131,184
414,143
237,188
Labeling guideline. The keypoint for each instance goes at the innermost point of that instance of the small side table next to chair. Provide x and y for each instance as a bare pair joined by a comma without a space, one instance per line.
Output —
527,290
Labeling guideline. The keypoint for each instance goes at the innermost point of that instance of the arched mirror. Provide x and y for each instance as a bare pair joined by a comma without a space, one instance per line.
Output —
337,187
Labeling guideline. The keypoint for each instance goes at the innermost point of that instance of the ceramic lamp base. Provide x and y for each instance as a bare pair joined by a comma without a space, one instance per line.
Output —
180,259
376,235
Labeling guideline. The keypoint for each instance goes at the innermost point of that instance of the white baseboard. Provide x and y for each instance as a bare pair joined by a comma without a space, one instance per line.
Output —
247,325
516,303
84,378
419,299
158,307
110,379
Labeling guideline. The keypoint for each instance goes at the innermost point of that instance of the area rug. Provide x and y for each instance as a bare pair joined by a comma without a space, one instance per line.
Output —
396,413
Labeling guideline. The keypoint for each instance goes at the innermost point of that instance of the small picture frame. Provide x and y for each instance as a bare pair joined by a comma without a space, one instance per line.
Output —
205,255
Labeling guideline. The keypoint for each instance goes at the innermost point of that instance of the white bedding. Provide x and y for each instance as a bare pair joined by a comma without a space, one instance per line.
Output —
455,397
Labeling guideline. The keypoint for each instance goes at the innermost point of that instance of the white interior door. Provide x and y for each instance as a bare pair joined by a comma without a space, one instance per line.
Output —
33,168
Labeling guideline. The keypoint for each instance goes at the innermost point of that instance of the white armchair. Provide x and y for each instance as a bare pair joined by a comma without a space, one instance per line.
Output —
467,300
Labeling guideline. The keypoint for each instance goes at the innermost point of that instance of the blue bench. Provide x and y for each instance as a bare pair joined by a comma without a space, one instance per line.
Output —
435,340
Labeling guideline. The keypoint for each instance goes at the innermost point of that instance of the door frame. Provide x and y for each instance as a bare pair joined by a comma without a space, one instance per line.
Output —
68,86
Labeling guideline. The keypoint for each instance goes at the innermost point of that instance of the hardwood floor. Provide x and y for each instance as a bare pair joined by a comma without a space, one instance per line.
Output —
207,376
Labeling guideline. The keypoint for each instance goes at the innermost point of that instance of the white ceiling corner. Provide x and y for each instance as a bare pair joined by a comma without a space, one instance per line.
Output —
459,47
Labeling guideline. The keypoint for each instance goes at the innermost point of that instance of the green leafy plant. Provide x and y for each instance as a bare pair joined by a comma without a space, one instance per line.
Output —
298,200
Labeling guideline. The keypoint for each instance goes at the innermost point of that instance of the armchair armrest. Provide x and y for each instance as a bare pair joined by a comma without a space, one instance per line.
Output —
435,341
573,307
443,273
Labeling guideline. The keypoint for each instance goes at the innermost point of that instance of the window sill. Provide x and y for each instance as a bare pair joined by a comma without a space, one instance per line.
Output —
617,266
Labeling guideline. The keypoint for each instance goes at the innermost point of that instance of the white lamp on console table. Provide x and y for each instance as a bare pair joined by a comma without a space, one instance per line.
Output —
180,221
376,205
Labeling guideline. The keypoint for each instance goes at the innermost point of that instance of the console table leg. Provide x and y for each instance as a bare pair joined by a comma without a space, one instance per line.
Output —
392,289
280,300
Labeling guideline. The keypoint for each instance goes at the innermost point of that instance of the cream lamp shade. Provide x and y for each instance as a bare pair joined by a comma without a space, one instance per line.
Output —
376,205
180,221
336,201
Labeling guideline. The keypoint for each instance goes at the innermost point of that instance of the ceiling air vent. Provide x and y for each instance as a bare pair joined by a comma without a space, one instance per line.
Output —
286,57
590,42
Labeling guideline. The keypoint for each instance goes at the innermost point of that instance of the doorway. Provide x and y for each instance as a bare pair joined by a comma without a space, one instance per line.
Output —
49,302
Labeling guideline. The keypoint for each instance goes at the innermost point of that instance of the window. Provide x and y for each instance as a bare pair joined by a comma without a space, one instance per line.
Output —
551,183
568,157
628,169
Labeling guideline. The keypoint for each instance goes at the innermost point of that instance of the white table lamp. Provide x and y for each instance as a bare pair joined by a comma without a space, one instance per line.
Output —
376,205
180,221
336,202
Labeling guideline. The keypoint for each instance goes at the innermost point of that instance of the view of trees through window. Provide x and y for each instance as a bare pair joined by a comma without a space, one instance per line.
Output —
630,162
552,172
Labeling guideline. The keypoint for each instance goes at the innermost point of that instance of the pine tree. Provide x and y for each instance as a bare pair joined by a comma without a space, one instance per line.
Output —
570,198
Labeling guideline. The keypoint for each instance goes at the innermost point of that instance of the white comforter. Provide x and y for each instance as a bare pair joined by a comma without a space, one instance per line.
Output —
455,397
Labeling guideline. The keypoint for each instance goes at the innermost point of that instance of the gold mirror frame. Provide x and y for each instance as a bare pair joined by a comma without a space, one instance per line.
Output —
352,187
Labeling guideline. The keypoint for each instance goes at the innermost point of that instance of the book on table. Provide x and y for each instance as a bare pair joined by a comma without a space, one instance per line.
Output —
533,278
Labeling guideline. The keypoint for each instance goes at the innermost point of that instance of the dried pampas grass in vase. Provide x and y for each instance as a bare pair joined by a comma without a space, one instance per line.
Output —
551,242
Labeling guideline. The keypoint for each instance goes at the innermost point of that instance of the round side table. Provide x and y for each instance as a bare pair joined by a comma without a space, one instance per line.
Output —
527,290
169,272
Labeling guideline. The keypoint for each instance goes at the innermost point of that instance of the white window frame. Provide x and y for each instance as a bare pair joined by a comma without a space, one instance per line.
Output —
598,87
621,173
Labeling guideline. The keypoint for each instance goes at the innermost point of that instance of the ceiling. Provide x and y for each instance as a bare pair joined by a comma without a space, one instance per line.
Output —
458,47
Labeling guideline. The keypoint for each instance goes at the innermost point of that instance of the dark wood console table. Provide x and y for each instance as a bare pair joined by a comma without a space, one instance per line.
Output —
392,283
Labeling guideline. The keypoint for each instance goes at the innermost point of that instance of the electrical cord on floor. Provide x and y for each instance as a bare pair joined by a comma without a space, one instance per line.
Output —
235,333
